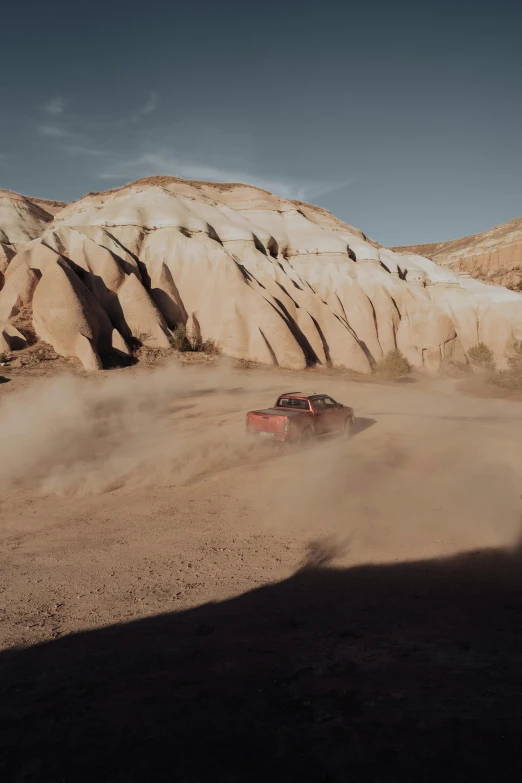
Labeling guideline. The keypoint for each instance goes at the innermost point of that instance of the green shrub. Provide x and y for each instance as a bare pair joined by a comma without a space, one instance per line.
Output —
393,365
482,356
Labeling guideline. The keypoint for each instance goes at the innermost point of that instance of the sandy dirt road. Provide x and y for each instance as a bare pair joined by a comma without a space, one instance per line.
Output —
178,603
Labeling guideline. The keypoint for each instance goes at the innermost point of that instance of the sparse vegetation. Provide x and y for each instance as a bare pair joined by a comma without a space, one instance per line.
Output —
481,356
246,364
179,339
449,369
508,380
23,321
182,340
140,338
136,342
34,356
393,365
512,377
210,347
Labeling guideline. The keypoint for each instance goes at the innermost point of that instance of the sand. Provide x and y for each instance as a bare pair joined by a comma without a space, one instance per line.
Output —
181,604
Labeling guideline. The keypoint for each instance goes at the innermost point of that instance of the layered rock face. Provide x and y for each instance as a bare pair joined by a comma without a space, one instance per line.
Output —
21,220
494,256
268,279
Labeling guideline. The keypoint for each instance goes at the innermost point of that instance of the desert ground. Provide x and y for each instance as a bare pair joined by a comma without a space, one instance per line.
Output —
179,603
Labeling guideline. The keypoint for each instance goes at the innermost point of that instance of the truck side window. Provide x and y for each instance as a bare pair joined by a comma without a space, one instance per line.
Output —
319,405
329,403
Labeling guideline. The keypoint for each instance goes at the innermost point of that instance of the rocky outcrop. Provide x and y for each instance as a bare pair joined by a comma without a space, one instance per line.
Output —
22,218
494,256
10,338
267,279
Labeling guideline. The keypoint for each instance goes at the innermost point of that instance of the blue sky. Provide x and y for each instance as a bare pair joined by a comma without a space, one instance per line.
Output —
402,118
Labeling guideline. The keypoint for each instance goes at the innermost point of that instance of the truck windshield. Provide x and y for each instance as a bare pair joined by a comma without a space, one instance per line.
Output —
291,402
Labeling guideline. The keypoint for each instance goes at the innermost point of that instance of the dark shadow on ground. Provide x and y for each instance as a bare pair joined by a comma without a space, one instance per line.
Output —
116,360
361,423
404,672
3,379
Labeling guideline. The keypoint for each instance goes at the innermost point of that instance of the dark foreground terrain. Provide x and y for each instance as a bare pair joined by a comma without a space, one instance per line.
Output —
393,672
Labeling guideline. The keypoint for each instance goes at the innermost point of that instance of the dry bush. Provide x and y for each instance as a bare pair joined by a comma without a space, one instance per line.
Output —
393,365
138,340
449,369
512,377
507,379
182,340
482,356
209,346
246,364
23,321
179,339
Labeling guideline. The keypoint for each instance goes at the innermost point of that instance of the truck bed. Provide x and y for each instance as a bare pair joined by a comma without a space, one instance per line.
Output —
273,422
280,412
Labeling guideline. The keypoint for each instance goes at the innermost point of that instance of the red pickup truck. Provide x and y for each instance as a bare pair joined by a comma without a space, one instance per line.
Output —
298,417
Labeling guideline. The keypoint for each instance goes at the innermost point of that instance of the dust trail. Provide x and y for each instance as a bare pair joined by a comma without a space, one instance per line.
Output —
409,486
396,493
72,435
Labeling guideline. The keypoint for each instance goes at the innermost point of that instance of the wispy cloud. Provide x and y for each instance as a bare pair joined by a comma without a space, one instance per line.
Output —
151,104
59,128
92,152
315,189
56,131
148,107
54,106
165,162
155,156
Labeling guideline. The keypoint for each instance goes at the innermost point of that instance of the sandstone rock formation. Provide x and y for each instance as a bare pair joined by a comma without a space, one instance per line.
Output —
23,218
494,256
10,338
267,279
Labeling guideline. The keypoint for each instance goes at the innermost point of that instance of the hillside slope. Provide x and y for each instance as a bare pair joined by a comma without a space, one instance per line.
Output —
268,279
494,256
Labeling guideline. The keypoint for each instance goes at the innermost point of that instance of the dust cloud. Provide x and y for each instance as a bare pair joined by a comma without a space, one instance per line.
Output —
70,435
399,494
413,482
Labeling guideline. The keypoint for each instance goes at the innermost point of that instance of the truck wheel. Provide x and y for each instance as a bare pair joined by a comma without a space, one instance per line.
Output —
349,425
307,436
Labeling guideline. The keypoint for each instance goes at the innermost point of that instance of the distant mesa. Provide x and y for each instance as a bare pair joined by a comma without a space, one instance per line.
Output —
266,279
